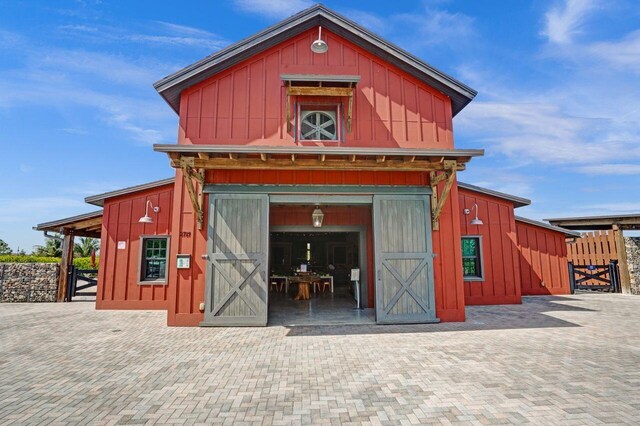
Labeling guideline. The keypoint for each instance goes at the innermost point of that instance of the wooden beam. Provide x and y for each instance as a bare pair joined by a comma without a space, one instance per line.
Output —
233,156
621,248
319,91
352,158
264,157
380,159
321,158
195,200
65,264
203,155
295,163
439,201
410,158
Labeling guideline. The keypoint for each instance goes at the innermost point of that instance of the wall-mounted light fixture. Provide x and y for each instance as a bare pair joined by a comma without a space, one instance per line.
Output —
319,45
317,216
146,218
476,220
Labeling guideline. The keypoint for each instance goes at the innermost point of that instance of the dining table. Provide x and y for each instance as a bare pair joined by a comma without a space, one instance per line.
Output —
304,283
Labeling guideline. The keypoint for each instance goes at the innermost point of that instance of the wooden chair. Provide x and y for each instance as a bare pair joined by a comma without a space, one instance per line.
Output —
325,282
274,284
316,286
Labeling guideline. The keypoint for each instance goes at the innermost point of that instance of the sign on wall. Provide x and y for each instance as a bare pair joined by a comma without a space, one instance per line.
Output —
183,261
122,245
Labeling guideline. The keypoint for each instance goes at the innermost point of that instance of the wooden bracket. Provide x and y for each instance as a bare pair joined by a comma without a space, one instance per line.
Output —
437,202
350,110
288,107
189,175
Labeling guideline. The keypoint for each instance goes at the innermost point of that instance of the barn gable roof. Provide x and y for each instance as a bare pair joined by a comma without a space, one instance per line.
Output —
171,86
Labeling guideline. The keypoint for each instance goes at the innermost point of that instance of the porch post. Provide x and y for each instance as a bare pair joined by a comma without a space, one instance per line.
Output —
621,248
65,262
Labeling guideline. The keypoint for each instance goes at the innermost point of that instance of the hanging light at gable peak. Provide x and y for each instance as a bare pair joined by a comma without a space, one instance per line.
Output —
319,45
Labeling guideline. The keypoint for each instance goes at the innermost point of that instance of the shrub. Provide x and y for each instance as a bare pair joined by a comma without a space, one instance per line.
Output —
10,258
85,262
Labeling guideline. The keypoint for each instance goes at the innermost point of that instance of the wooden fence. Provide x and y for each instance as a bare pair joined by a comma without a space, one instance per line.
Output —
594,248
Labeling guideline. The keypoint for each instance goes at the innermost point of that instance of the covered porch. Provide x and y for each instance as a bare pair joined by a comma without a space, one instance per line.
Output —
84,225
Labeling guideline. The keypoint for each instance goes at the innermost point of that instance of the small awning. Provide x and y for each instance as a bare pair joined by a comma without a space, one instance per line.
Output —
84,225
316,158
320,78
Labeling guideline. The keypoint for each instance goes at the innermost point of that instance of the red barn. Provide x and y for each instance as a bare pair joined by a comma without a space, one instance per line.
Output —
306,151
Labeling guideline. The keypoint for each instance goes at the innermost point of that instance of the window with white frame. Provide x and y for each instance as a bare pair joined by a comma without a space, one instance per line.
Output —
472,258
319,123
153,259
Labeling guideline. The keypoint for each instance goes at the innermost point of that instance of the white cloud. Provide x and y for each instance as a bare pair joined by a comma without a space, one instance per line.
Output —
170,35
564,22
432,26
273,8
611,169
623,53
115,86
543,132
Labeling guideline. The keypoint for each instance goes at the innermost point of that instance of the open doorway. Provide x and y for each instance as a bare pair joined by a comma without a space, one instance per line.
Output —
327,256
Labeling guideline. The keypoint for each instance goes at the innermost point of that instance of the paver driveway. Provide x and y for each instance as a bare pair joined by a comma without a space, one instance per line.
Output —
552,359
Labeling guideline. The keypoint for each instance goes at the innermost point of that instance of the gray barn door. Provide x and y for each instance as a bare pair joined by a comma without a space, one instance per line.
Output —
404,261
238,238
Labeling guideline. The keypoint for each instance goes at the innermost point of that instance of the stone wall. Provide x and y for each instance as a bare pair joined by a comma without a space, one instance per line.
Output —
28,282
633,260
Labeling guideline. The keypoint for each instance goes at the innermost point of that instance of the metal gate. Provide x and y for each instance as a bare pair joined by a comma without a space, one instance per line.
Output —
237,246
86,276
404,259
595,277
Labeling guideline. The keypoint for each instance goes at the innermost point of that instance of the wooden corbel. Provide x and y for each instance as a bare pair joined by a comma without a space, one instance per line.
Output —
437,202
288,106
350,109
190,173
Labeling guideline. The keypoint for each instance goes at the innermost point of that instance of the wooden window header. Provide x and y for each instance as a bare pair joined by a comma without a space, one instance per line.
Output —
320,85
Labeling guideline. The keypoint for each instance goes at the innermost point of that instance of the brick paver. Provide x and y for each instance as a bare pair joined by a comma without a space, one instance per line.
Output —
573,359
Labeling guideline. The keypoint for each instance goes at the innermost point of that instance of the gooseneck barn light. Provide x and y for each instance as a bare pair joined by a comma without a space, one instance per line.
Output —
317,216
319,45
476,220
146,218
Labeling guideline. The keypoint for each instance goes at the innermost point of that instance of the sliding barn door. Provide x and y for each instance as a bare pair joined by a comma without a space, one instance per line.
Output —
238,239
404,261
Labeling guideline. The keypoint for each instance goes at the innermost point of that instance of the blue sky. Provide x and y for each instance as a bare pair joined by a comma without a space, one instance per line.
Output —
558,110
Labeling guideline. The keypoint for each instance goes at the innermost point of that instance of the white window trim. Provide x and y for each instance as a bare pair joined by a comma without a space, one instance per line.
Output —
334,107
481,255
141,258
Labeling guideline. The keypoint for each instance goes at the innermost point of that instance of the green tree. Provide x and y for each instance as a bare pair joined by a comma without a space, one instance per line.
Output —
4,248
51,248
85,246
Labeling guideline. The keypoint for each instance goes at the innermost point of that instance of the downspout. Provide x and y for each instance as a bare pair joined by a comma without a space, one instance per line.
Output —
53,237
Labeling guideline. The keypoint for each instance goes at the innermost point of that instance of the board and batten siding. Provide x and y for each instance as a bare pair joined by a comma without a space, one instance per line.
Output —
501,283
187,287
543,260
247,103
119,271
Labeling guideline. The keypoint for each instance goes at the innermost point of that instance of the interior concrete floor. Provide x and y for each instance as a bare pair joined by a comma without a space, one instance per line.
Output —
323,308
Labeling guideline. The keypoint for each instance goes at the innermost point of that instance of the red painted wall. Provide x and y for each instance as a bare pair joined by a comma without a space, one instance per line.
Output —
187,287
333,216
543,258
246,104
499,249
118,286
